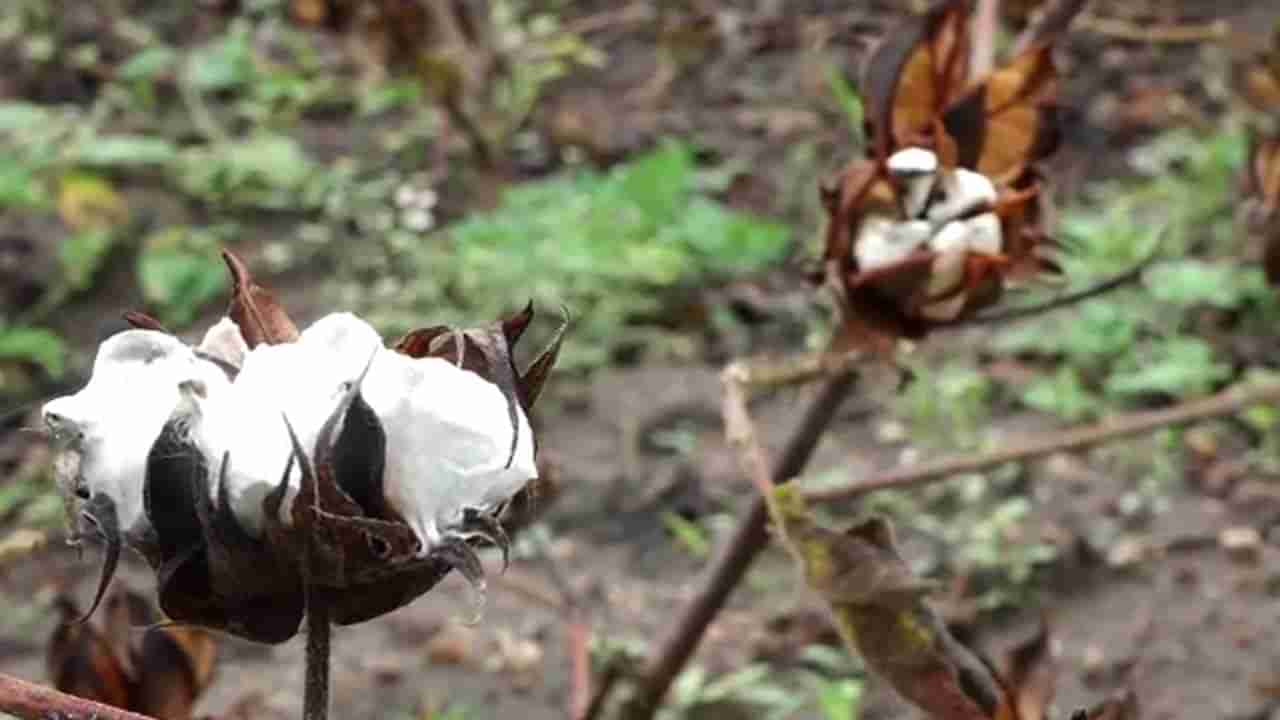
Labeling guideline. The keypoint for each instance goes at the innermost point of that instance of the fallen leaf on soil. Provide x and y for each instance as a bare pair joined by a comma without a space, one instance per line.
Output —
1030,676
1243,544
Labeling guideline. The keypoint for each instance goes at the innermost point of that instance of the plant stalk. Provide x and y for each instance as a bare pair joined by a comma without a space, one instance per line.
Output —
731,563
315,703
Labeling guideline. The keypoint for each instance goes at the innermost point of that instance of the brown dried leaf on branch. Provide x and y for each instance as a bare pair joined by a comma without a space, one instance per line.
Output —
118,660
1258,81
1261,207
945,210
881,611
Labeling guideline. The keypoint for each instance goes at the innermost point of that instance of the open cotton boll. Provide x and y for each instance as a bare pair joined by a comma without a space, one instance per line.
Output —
960,191
224,342
882,241
952,244
917,169
303,381
449,435
985,235
116,418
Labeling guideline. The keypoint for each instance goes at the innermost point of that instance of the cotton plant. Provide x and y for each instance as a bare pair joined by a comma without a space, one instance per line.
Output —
268,466
944,212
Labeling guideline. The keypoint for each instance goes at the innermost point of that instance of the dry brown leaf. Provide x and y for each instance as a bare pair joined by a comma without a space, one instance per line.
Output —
80,660
914,74
159,672
1030,677
1261,185
174,667
880,610
254,309
1007,121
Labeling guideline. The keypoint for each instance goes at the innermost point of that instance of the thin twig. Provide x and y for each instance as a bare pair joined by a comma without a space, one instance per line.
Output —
735,556
30,701
1127,30
1224,403
1102,287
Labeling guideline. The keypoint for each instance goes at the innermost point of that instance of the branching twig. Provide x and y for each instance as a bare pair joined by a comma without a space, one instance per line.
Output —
1224,403
746,541
30,701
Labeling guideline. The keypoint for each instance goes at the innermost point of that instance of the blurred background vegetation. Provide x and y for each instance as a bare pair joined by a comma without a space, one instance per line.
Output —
653,170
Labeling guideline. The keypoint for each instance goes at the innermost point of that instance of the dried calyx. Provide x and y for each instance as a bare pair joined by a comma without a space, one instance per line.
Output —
944,211
268,458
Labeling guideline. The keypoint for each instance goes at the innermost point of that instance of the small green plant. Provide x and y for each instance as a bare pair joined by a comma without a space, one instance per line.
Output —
1145,342
607,246
179,271
946,406
37,345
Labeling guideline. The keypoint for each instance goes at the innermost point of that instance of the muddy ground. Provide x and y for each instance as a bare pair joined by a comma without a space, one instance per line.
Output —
1199,628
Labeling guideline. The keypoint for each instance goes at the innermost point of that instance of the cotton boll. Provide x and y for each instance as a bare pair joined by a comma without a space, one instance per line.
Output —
116,418
448,442
985,235
917,169
347,342
224,342
882,241
303,381
960,191
947,273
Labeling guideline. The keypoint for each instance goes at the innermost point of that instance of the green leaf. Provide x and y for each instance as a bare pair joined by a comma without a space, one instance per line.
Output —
20,188
1179,366
180,271
840,700
264,170
18,116
1189,282
849,101
41,346
1064,394
226,63
124,151
82,254
148,63
692,536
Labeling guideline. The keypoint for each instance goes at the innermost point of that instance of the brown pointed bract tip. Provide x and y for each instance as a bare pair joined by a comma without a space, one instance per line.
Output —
143,321
254,309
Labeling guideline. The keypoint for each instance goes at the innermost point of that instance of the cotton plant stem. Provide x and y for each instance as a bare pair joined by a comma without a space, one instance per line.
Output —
1227,402
315,703
735,556
29,701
